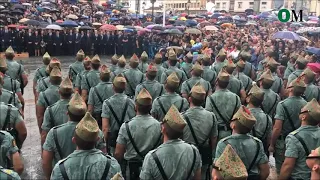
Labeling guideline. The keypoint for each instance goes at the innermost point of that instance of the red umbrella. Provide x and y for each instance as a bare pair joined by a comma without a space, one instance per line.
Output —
104,4
59,21
315,67
183,14
23,27
108,27
13,26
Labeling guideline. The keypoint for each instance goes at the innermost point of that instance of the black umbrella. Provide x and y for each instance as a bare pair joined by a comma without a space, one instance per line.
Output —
18,6
32,23
160,28
43,24
54,10
174,32
179,23
5,11
147,24
17,11
85,28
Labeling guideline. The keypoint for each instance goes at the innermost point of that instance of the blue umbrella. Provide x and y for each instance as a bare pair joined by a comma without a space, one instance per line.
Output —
69,23
108,12
111,2
114,19
289,35
264,15
191,23
313,50
216,15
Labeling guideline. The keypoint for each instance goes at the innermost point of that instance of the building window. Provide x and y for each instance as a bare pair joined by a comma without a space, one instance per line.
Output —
179,5
218,5
183,5
198,5
251,3
224,5
240,5
264,3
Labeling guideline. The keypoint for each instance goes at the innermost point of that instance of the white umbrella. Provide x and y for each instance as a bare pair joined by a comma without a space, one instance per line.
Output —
120,27
46,15
72,16
54,27
96,24
46,3
100,13
76,7
2,7
23,20
26,4
211,28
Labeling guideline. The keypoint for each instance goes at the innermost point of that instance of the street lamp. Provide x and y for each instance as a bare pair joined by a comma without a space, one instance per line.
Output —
152,2
188,6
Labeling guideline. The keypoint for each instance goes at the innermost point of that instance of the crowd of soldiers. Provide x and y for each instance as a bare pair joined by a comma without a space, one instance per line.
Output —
178,119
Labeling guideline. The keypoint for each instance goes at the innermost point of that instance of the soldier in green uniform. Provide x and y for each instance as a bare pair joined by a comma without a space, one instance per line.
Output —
219,63
162,104
313,162
160,68
114,63
10,155
300,65
44,83
55,114
154,87
312,91
99,93
58,144
263,127
8,97
133,76
201,129
166,64
172,59
174,159
208,74
86,162
115,111
300,142
249,148
143,65
271,99
224,104
76,67
8,174
10,84
121,67
290,67
245,80
248,68
92,78
196,73
49,96
287,119
278,84
269,54
87,68
187,65
129,144
15,70
41,73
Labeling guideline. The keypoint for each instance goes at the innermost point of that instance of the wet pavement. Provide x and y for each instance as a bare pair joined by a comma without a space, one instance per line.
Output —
31,150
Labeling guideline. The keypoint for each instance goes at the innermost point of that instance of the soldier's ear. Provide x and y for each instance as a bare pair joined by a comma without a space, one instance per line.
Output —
316,168
73,140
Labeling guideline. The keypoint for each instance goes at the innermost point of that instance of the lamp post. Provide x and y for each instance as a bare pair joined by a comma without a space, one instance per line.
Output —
188,6
152,9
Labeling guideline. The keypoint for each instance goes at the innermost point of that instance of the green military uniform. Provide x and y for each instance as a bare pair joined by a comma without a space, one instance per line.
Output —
14,118
160,68
172,50
288,112
312,91
9,83
99,93
44,83
81,75
246,146
122,62
188,84
153,87
86,164
76,67
8,97
223,103
290,66
186,67
50,95
133,76
297,72
56,114
178,159
41,72
114,62
204,126
248,67
162,104
15,70
235,85
8,174
300,142
143,65
92,78
208,74
140,127
61,143
217,65
245,79
8,147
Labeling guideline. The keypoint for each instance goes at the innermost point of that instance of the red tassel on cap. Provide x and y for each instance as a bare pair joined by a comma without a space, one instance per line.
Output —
246,110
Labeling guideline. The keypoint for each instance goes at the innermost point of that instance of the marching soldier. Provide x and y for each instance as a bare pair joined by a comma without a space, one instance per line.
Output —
114,62
55,114
49,96
300,142
174,159
278,84
201,129
121,67
160,68
219,63
196,73
44,83
263,127
208,74
90,79
271,99
143,65
59,141
99,93
151,85
312,91
172,59
76,67
133,76
313,162
162,104
87,67
91,163
115,111
245,80
287,119
224,104
129,144
9,97
41,73
8,174
300,65
187,66
249,148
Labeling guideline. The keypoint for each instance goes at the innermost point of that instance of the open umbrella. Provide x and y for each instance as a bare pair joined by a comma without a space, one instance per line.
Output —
72,16
315,67
32,22
23,20
26,4
180,23
69,23
191,23
100,13
193,31
313,50
289,35
59,21
18,6
4,11
46,15
13,25
76,7
147,24
211,28
251,23
2,7
226,25
54,27
85,28
138,27
174,31
120,27
304,39
204,23
17,11
108,27
114,19
96,24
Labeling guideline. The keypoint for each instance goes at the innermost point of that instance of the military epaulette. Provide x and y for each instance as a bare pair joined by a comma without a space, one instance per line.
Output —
224,139
61,125
63,160
294,132
7,171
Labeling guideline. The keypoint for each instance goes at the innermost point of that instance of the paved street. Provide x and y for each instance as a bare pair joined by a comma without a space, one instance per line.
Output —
31,148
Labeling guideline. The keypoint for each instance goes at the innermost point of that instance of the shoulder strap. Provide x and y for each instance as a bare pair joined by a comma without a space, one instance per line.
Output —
318,98
51,116
87,81
63,171
45,98
181,106
55,138
11,98
256,155
97,93
132,141
44,83
193,162
141,80
162,91
246,85
191,130
119,121
289,117
19,70
156,159
189,87
274,103
304,145
106,169
161,106
41,75
7,118
279,88
128,82
185,72
219,113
